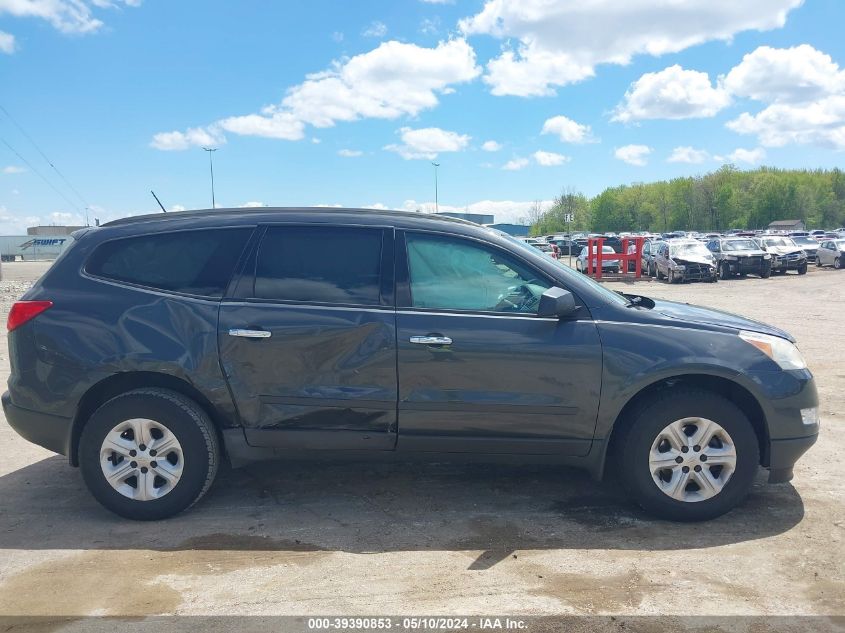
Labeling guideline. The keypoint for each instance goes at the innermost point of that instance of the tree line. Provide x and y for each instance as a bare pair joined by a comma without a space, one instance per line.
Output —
724,199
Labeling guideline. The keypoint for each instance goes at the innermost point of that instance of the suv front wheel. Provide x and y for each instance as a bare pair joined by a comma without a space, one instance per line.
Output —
149,454
689,455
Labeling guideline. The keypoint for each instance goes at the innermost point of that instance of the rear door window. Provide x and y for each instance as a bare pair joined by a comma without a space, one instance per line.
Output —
320,264
192,262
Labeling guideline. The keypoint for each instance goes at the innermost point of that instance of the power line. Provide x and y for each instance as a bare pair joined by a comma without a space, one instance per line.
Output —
47,160
39,174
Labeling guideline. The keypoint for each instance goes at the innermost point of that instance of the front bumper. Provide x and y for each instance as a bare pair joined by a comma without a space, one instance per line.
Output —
784,263
784,394
784,453
50,431
697,273
752,265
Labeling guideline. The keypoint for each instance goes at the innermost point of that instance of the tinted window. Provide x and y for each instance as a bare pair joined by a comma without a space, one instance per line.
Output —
193,262
321,264
463,275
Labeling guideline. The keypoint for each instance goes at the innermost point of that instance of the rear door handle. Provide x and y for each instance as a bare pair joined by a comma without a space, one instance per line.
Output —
431,340
249,333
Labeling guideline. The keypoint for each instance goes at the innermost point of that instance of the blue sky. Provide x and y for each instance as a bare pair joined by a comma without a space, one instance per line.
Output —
318,102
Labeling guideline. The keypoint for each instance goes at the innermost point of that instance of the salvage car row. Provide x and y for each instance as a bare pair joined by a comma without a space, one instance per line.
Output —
678,259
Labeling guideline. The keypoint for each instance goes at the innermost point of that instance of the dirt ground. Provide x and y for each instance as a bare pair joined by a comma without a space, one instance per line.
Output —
352,539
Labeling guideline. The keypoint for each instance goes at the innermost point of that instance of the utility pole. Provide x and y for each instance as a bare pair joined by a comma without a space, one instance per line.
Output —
436,202
211,168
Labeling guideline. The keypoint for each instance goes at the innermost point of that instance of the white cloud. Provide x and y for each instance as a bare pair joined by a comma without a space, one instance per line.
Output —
377,206
786,75
430,26
178,207
427,142
805,92
337,36
271,124
491,146
687,154
820,123
393,80
749,156
192,137
349,153
562,42
550,159
502,210
13,169
516,164
672,93
636,155
7,43
376,29
67,16
252,204
568,130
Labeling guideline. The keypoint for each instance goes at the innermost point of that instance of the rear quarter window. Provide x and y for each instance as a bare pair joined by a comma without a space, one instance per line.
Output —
192,262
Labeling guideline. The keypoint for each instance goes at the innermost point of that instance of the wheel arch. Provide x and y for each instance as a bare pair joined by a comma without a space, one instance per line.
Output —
733,391
116,384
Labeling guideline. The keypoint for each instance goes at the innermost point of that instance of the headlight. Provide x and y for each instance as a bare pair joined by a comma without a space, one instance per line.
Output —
731,258
767,256
778,349
680,267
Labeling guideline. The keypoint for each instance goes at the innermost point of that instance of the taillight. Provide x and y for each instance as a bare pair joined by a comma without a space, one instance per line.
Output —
23,311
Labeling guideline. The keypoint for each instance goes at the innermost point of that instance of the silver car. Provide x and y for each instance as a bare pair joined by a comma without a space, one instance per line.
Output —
831,253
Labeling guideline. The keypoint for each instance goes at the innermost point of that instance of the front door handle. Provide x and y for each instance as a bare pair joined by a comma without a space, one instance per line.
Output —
249,333
431,340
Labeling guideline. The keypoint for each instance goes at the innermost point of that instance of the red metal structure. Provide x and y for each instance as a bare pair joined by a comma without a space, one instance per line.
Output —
596,244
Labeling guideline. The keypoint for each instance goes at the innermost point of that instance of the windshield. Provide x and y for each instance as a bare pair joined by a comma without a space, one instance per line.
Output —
739,245
689,249
778,241
610,295
805,241
840,243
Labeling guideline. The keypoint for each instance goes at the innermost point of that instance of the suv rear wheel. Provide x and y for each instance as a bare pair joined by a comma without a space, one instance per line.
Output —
149,454
689,455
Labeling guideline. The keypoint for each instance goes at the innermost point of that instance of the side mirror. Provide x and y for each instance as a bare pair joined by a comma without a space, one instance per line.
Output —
556,302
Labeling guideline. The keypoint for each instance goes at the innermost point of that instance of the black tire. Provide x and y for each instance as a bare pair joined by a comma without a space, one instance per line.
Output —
765,273
837,263
802,270
633,447
180,415
724,271
818,262
657,272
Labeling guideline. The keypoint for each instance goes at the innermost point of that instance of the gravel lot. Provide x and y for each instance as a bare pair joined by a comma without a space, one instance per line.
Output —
415,539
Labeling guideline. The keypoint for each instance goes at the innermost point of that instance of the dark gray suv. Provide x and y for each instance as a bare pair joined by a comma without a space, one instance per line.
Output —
158,346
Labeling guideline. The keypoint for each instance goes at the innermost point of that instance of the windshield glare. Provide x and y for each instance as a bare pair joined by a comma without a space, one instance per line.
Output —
584,279
687,250
739,245
778,241
805,240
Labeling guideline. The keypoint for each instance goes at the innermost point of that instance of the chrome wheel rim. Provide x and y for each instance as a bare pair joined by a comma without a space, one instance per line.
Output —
692,459
141,459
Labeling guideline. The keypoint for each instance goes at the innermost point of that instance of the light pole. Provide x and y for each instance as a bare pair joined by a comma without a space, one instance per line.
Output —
436,203
211,168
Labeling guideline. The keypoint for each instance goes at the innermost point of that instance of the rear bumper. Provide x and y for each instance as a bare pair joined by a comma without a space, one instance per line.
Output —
50,431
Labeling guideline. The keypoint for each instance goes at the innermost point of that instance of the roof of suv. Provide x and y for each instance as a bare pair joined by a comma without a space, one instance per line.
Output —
260,214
